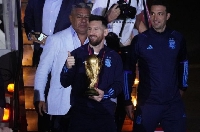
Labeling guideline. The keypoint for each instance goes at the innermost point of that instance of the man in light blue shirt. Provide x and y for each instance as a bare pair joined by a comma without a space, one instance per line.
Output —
46,16
55,52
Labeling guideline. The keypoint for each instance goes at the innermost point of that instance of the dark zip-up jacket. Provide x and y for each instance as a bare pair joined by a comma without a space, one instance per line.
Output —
110,79
163,65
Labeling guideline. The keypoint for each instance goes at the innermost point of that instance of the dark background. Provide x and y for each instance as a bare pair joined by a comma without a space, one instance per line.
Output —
185,18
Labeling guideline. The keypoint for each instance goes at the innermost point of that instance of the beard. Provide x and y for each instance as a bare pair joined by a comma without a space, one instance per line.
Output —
95,41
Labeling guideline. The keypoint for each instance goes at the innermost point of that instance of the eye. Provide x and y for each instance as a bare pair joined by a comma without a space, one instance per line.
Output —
79,16
152,14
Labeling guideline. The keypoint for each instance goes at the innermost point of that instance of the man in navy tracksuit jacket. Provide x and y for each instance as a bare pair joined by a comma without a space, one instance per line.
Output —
89,114
163,71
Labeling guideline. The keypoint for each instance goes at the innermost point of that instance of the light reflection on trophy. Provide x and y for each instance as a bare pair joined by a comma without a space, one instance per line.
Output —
92,67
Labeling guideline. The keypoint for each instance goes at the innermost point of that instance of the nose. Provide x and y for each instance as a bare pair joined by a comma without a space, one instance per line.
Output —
155,17
90,32
84,19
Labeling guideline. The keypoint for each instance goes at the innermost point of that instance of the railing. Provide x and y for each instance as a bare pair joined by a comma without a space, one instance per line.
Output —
18,75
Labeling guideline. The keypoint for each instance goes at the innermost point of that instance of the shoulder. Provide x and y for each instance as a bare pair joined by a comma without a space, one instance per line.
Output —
64,33
80,50
176,34
112,53
60,36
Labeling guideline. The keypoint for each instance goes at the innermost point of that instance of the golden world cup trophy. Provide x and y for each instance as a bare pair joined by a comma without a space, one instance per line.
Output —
93,67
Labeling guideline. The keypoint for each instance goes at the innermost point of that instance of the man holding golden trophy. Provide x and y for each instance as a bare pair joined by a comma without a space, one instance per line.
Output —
95,73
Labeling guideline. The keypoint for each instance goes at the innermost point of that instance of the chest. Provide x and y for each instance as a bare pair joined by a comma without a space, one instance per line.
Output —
159,49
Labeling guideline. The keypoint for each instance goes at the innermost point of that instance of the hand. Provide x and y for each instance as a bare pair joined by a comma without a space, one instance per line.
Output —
40,107
70,61
113,13
181,92
34,38
129,111
43,41
1,114
99,97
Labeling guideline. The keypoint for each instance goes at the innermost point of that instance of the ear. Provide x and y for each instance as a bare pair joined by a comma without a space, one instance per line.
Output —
70,18
168,15
105,32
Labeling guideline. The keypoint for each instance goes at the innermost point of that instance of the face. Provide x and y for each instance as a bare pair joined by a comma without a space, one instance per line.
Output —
159,17
96,33
80,20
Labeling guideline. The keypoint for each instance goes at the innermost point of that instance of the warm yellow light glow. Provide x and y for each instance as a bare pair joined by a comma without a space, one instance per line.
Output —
134,100
10,87
6,115
136,81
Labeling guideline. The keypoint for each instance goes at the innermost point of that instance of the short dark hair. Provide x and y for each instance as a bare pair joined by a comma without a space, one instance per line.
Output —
164,3
80,5
99,18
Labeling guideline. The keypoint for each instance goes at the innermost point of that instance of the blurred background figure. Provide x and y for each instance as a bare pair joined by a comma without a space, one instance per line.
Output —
2,97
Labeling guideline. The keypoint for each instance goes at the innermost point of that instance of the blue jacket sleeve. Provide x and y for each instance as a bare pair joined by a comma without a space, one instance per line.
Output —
130,73
183,66
66,76
29,22
117,84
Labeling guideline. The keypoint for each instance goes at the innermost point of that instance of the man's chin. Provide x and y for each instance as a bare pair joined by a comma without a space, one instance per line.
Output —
94,44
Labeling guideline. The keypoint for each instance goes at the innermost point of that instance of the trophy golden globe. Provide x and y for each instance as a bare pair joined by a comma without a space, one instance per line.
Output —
92,67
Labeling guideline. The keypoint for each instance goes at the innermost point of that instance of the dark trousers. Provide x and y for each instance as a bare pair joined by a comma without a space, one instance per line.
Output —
120,112
60,123
57,123
171,117
84,121
36,54
44,124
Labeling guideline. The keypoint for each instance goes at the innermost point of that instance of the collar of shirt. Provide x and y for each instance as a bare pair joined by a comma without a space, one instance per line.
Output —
76,41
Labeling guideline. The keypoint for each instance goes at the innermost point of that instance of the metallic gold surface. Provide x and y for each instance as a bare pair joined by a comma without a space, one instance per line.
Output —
93,67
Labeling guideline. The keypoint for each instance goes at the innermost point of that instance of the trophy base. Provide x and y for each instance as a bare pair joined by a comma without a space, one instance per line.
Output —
91,92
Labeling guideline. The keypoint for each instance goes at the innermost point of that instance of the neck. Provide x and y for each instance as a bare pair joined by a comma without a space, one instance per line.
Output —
82,38
98,47
160,30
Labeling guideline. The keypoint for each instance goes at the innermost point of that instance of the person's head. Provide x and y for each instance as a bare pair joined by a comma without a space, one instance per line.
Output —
159,14
97,30
79,17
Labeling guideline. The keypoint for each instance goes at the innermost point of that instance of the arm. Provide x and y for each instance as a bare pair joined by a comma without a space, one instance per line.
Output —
42,72
112,13
131,77
183,67
29,24
139,24
117,85
68,71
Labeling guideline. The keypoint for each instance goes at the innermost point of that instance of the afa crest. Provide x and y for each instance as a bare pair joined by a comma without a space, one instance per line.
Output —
172,43
108,62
